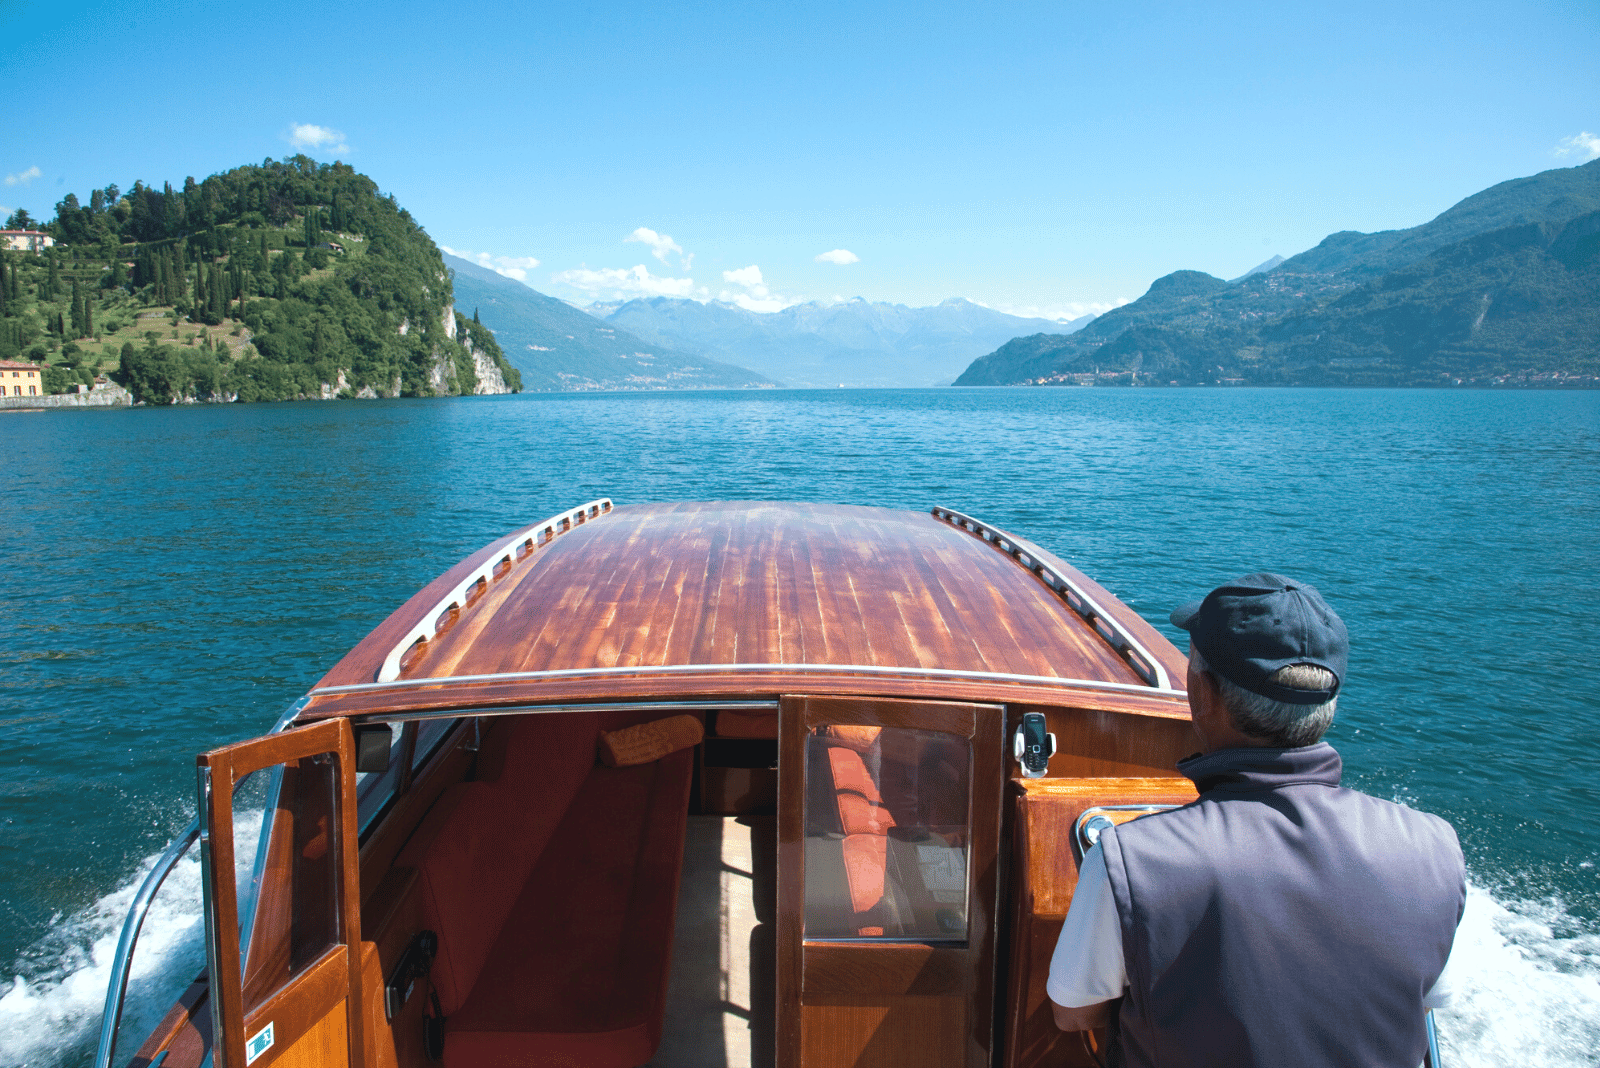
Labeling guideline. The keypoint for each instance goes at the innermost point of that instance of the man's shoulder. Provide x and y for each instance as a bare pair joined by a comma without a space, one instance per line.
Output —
1398,812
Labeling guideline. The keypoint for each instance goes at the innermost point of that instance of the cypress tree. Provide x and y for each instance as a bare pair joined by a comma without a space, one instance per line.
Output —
52,280
5,286
475,315
88,316
77,310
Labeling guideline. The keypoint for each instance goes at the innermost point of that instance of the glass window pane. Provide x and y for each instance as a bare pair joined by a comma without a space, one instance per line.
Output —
374,788
430,732
296,918
887,815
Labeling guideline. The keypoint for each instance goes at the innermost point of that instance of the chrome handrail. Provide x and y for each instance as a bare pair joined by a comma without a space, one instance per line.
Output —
1432,1058
1136,655
122,963
484,573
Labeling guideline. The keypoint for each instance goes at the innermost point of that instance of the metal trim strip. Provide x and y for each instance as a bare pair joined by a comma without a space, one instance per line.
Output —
747,669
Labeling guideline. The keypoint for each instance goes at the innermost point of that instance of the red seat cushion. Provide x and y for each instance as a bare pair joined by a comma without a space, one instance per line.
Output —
578,973
480,841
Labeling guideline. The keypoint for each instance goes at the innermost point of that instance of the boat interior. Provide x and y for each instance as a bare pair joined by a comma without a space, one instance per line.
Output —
848,867
596,915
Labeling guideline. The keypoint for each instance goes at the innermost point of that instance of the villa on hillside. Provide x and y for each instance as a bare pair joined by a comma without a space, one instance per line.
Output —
20,379
26,240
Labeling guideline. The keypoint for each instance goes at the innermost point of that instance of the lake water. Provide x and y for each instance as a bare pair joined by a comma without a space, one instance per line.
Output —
172,579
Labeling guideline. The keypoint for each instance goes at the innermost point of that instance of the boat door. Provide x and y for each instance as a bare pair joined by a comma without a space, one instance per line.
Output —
888,829
290,995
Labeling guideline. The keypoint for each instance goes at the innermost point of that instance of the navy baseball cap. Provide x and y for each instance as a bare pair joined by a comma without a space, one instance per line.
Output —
1257,624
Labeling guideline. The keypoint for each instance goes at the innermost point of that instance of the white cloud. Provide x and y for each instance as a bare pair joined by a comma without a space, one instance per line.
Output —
1585,146
619,280
660,245
307,135
749,277
756,304
756,296
23,177
841,256
511,266
1064,310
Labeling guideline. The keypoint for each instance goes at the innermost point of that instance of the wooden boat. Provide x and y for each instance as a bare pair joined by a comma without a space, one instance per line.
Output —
863,700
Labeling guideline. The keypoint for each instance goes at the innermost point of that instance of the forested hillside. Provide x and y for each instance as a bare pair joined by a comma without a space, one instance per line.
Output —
291,279
1503,288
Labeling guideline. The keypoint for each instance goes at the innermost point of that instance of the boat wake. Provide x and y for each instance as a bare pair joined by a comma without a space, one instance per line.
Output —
50,1017
1528,987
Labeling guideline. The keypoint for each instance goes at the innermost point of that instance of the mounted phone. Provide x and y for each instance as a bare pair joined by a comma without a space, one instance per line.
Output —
1033,746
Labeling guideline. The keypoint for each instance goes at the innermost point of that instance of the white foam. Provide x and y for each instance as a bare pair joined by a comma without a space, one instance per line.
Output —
51,1014
54,1017
1527,987
1527,980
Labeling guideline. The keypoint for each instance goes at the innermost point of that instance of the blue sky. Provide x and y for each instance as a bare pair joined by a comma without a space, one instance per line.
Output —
1051,158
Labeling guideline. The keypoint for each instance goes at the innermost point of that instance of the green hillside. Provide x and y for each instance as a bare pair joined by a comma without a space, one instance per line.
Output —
281,281
1504,288
558,347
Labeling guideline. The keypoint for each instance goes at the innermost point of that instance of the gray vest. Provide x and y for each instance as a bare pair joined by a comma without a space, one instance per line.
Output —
1281,920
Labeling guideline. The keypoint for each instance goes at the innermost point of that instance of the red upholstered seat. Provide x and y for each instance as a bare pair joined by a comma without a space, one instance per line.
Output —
578,975
478,844
553,886
759,725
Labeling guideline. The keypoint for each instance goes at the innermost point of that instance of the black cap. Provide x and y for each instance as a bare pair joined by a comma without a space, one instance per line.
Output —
1255,625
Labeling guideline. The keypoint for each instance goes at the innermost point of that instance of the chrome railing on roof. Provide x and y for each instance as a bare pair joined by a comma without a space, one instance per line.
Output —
1146,666
507,551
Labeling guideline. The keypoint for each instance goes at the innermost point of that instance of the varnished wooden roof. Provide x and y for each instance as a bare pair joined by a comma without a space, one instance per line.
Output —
665,600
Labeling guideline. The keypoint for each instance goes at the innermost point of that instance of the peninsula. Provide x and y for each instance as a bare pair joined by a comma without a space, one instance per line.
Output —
288,280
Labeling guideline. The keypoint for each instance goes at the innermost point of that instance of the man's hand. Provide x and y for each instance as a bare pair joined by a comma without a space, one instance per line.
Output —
1084,1018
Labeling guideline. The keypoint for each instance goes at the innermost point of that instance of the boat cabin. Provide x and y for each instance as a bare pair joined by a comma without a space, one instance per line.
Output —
681,784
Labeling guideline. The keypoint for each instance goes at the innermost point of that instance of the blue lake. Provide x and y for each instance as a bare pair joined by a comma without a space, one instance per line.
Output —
172,579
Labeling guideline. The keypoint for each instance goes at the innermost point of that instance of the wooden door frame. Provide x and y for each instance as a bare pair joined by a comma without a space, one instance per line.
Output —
916,968
301,1004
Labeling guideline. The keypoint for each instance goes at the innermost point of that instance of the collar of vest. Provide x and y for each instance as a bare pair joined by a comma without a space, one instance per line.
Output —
1239,770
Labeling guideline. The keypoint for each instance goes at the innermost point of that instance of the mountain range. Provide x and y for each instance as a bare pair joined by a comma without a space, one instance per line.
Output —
557,347
855,343
1502,287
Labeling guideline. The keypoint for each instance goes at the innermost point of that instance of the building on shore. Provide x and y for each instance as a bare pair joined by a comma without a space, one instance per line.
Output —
19,379
26,240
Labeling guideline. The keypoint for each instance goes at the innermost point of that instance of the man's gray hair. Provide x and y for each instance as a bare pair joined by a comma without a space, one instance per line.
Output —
1287,726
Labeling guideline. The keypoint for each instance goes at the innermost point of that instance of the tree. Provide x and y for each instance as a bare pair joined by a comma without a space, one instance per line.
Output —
20,220
72,223
52,280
